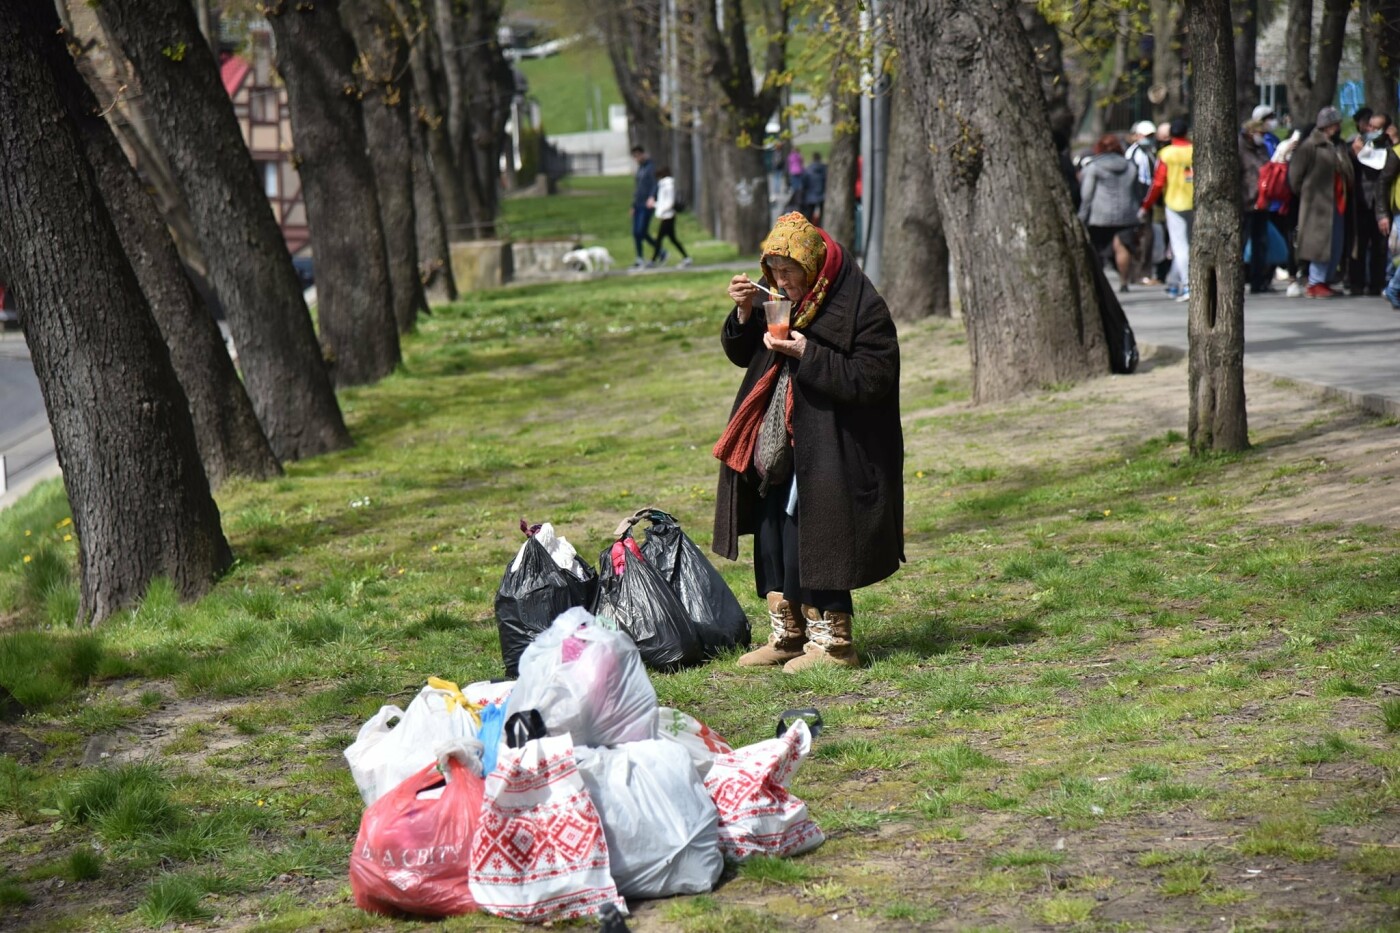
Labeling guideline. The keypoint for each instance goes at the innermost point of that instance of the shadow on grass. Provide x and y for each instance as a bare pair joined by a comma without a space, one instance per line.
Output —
933,637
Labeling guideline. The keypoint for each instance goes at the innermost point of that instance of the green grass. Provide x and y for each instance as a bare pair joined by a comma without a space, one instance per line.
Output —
1093,648
570,85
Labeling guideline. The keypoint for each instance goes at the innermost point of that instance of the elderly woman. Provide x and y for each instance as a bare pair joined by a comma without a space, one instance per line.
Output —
813,455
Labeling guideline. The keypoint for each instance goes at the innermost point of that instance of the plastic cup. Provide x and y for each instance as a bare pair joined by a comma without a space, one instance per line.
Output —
777,313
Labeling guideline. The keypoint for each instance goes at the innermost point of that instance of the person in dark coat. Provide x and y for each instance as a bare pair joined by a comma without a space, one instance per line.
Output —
813,455
1321,178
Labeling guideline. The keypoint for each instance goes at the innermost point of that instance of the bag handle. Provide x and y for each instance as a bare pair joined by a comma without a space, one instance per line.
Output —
522,727
809,714
651,513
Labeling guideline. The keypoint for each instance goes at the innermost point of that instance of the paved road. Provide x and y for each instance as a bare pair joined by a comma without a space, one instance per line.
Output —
1350,347
25,441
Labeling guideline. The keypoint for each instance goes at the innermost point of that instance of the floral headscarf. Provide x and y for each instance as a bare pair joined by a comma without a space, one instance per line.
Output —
797,238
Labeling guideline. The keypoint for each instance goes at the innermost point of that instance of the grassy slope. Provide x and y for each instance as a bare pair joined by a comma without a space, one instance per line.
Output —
1097,687
569,85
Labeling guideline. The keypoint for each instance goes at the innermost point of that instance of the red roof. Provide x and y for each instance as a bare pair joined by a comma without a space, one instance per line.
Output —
233,69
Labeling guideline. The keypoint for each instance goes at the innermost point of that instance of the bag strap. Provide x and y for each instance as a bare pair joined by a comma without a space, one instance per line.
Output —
650,513
524,726
809,714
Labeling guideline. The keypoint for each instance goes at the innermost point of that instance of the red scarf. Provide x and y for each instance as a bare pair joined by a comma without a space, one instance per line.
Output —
735,446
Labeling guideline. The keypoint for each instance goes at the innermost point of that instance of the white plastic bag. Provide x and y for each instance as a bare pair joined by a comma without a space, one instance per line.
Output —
556,546
486,692
588,681
758,815
539,852
700,741
662,827
381,757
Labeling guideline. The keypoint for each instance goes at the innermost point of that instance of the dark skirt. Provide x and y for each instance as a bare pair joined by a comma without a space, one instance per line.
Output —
775,562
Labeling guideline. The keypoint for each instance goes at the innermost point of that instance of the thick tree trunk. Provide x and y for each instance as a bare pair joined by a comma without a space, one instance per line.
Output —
1380,53
839,212
248,260
915,280
1245,21
1025,283
1215,323
1166,59
231,442
121,424
388,93
1310,88
355,305
434,254
490,83
744,209
1049,66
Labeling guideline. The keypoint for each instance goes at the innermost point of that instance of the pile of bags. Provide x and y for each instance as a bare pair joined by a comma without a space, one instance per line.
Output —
664,593
564,792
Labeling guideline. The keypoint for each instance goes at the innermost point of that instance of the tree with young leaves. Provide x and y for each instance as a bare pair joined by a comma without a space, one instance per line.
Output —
1025,284
1314,86
1215,321
1380,53
140,501
745,105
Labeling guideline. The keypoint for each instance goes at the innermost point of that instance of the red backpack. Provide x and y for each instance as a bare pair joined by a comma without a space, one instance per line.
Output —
1273,187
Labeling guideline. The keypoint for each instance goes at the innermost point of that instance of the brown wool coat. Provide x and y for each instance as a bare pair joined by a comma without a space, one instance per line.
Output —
848,444
1310,172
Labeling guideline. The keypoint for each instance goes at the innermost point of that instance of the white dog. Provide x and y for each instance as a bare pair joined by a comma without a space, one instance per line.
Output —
589,259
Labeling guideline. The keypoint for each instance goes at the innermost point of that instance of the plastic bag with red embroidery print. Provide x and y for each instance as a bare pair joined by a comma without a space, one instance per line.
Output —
414,845
758,815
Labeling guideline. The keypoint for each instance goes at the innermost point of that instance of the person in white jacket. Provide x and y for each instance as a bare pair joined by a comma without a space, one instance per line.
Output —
666,214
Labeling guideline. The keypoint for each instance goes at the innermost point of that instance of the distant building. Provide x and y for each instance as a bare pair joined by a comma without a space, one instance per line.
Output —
260,104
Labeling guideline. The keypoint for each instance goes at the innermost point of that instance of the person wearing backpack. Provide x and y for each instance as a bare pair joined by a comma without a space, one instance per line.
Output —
1254,157
666,207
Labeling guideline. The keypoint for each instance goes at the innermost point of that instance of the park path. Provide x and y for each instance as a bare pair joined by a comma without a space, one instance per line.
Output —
25,441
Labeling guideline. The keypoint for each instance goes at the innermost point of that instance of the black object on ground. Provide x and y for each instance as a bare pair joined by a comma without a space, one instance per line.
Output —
719,620
533,595
644,606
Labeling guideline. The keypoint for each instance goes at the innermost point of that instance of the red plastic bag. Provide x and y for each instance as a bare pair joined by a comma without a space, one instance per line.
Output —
412,853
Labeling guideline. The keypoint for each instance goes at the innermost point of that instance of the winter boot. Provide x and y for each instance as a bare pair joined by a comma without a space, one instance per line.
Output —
785,644
829,641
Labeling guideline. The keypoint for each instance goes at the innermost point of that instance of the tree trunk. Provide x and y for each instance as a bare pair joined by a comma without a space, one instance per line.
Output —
1380,53
388,93
1310,89
1049,66
355,305
1215,323
434,254
1026,286
490,83
839,212
248,260
1245,21
743,200
231,442
141,503
1165,94
915,279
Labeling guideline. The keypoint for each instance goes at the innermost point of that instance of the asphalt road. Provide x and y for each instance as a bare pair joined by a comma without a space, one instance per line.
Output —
25,441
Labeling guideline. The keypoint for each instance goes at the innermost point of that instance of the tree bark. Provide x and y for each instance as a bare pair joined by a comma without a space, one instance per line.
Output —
1166,59
743,195
1215,322
231,442
1025,282
249,264
632,35
1310,89
434,254
915,281
1049,66
122,430
839,212
387,98
355,305
1245,22
1380,53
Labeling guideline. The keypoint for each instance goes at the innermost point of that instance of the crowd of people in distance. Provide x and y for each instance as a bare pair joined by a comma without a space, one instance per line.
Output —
1318,208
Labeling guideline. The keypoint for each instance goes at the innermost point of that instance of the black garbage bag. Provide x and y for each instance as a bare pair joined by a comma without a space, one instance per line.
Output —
643,605
1122,345
536,593
719,620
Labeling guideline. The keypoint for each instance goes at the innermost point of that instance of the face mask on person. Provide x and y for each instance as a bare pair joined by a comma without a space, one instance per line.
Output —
1372,136
1258,139
1270,125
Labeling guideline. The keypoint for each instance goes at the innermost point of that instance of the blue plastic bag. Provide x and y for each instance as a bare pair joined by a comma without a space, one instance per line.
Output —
1275,251
493,720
